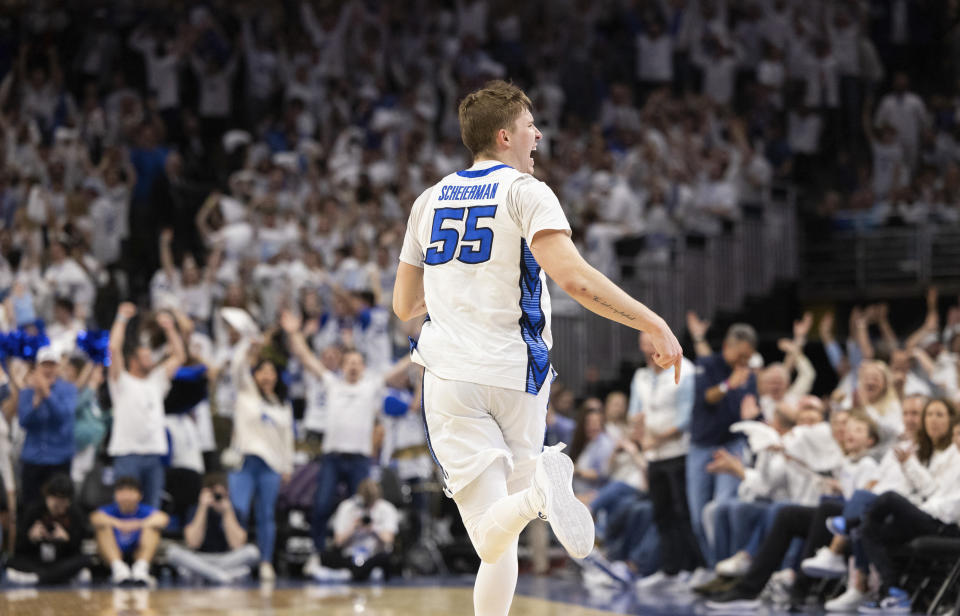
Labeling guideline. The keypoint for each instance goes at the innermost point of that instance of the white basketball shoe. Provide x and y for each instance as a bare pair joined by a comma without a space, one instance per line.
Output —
570,519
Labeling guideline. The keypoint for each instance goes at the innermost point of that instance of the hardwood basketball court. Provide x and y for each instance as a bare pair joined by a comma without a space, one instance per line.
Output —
303,600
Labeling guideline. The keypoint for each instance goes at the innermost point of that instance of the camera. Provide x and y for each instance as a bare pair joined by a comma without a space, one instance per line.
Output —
366,520
217,496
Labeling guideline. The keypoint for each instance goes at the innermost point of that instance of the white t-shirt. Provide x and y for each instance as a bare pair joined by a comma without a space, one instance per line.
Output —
68,279
138,424
315,396
889,166
804,132
108,229
186,450
352,410
371,335
654,58
196,300
485,293
856,474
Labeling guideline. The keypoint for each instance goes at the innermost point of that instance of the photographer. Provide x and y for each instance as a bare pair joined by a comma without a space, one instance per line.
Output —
216,544
48,540
364,528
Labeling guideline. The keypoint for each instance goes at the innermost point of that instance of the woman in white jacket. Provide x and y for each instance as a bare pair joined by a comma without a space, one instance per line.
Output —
893,520
263,435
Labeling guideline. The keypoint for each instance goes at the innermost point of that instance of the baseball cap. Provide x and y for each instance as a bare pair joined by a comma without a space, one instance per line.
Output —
47,353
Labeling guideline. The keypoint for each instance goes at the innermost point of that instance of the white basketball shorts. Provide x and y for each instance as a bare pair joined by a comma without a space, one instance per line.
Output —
470,426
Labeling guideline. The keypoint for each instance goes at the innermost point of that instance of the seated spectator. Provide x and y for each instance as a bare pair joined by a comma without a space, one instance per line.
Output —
590,451
859,469
128,530
627,472
48,539
916,468
771,480
215,544
137,388
893,521
47,410
615,415
560,426
786,471
364,528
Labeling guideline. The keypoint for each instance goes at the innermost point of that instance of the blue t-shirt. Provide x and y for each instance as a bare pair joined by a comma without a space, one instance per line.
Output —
711,423
127,542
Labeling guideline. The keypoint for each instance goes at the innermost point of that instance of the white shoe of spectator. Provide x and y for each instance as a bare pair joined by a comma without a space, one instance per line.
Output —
83,576
120,572
22,578
849,601
735,566
594,577
700,575
376,575
140,574
326,574
239,573
621,572
777,590
825,564
267,574
312,565
569,518
658,580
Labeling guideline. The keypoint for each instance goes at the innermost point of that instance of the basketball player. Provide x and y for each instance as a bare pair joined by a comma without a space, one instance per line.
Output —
473,260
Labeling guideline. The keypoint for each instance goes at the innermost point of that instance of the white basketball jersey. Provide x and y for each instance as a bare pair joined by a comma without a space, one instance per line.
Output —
488,309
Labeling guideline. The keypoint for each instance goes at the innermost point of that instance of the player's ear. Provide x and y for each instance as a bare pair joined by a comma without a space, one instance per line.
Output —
503,137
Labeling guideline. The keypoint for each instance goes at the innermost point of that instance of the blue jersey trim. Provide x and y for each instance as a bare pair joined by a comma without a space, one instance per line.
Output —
532,320
479,173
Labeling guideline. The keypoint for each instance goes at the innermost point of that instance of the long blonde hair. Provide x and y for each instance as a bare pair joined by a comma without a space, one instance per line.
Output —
889,400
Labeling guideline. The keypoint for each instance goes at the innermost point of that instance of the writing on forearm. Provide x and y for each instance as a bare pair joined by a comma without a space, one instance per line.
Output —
613,308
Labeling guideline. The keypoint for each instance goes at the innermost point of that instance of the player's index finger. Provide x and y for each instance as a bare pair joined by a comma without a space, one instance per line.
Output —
676,371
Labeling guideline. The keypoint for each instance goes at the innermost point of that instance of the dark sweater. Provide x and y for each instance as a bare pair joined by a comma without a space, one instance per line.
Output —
710,425
72,522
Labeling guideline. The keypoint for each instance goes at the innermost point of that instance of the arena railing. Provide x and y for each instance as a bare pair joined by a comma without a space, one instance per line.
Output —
703,274
880,263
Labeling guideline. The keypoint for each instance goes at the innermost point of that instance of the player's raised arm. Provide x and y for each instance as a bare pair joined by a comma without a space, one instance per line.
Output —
560,259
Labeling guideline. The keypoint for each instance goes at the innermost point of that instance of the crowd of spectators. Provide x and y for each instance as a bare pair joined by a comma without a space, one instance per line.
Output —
751,488
223,188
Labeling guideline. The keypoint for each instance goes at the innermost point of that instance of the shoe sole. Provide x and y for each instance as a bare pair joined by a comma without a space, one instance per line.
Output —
841,609
820,572
733,607
570,519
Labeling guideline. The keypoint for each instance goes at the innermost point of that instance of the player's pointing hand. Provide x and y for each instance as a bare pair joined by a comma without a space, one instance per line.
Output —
669,352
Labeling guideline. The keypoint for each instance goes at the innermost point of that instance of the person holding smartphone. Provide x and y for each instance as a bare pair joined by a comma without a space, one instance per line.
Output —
215,544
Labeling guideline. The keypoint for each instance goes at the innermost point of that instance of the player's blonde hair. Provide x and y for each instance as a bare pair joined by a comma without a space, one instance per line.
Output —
485,111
